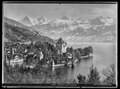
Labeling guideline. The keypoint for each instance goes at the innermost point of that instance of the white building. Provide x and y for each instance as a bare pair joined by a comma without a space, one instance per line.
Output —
64,46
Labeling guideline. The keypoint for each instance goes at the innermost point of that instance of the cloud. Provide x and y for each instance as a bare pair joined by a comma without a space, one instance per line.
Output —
106,11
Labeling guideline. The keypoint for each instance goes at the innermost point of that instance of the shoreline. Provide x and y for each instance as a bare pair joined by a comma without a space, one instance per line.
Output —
78,44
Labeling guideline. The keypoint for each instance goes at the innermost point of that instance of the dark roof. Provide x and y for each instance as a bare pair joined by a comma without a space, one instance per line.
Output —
60,41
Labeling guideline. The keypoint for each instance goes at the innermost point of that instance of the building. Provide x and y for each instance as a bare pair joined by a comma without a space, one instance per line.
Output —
61,46
64,46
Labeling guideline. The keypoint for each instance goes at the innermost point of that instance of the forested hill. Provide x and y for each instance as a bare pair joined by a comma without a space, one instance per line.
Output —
17,32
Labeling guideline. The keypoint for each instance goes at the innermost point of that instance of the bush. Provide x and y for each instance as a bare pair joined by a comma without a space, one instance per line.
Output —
81,79
109,74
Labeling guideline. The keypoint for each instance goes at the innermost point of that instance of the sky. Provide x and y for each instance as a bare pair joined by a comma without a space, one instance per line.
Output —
54,11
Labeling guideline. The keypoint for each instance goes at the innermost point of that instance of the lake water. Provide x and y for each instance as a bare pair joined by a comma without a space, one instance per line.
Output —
104,55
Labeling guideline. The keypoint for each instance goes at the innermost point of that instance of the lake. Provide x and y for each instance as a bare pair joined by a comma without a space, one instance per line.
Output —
104,55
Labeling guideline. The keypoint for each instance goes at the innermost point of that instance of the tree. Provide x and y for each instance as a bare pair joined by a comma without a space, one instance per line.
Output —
81,79
109,74
39,44
77,54
90,49
86,51
71,49
94,76
59,44
81,51
68,49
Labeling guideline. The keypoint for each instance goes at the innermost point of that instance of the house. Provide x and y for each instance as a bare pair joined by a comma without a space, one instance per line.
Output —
6,49
16,61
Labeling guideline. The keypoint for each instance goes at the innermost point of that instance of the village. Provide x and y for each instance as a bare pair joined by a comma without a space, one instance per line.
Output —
43,54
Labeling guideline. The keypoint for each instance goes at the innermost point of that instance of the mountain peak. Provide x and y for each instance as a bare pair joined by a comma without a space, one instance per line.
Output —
26,18
26,21
65,18
42,17
41,20
97,20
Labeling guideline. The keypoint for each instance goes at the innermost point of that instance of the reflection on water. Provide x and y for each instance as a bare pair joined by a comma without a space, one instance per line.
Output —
104,55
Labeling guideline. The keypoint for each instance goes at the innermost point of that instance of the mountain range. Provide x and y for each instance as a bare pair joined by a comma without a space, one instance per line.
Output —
98,29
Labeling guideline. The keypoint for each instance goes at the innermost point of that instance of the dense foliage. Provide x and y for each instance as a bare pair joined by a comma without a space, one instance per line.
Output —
94,76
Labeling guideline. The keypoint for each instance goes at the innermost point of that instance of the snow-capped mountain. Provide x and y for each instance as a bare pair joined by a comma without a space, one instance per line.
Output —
41,20
26,21
66,18
96,29
102,21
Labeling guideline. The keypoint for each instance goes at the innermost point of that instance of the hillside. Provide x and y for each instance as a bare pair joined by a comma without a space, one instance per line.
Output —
17,32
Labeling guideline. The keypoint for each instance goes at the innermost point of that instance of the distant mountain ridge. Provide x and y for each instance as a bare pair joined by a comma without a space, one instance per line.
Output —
100,29
28,21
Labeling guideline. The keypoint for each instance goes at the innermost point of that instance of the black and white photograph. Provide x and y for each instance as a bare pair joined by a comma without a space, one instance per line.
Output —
59,44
